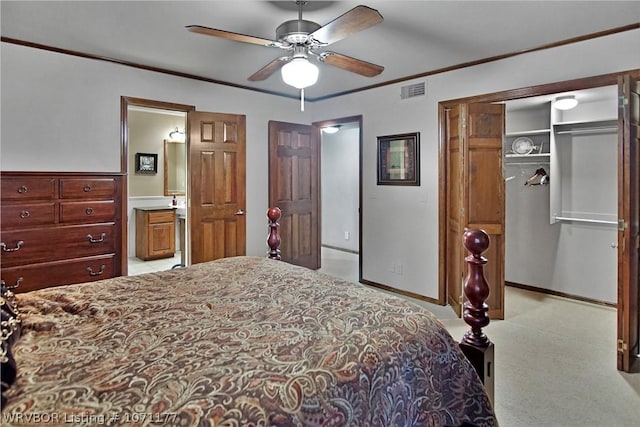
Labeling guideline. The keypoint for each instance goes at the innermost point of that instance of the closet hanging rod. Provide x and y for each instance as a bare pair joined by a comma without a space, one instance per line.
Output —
589,130
592,221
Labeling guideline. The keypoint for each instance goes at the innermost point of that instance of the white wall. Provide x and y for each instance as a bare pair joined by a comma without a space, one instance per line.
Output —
62,113
340,188
400,224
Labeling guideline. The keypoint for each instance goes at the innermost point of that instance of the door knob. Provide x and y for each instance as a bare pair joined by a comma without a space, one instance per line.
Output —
240,212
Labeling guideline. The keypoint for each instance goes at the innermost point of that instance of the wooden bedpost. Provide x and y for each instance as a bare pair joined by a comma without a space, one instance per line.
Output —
475,344
274,235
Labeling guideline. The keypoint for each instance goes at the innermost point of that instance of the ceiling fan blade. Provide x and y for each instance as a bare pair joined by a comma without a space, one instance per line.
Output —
269,69
354,65
230,35
357,19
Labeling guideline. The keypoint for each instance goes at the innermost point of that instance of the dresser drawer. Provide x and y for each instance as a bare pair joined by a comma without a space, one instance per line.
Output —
87,188
27,214
39,276
20,247
157,217
87,211
27,188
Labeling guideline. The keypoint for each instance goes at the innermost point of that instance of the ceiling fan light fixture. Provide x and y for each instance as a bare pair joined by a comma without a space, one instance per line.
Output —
565,102
300,73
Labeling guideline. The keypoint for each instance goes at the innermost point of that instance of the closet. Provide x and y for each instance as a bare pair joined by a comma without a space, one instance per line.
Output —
560,168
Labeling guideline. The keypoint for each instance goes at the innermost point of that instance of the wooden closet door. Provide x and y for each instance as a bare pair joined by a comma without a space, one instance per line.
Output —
456,208
475,196
628,212
485,192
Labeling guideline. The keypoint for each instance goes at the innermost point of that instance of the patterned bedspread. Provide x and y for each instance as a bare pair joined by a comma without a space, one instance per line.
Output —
236,342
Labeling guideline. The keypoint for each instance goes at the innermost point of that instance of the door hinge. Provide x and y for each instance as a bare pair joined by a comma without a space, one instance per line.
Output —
623,101
622,224
461,300
622,346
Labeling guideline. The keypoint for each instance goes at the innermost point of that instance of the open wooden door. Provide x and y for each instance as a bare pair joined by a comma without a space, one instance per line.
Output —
294,187
455,207
217,185
628,212
475,196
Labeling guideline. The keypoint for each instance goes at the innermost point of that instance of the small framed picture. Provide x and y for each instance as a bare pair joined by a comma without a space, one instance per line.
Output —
399,159
146,163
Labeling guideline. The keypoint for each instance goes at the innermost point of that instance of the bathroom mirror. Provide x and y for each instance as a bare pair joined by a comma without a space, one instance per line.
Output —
175,168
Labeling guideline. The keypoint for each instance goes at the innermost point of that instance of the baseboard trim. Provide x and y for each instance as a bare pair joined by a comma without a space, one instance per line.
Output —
351,251
559,294
400,292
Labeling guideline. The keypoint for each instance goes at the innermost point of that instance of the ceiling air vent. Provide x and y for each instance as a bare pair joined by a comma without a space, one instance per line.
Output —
411,91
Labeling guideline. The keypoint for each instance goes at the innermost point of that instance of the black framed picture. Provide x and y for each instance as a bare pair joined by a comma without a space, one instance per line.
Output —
399,159
146,163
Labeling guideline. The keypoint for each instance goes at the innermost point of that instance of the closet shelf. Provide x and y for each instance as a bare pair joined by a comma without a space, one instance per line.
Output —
598,126
528,132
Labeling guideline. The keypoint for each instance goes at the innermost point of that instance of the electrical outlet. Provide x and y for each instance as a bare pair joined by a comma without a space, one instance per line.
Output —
347,235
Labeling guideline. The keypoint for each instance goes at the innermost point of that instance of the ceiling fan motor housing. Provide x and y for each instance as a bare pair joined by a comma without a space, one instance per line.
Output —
296,31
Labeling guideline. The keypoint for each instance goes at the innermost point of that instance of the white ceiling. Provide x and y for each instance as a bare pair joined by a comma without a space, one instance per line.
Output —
415,37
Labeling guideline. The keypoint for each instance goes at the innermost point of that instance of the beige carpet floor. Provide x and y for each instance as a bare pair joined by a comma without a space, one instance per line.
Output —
555,358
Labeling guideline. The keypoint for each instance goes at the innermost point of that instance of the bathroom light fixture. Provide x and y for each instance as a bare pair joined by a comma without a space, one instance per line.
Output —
565,102
331,129
177,135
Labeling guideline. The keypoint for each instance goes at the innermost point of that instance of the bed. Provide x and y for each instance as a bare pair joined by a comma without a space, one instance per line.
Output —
234,342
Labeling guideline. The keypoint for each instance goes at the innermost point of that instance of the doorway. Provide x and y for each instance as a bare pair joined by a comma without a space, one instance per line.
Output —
295,187
154,132
565,202
340,199
628,165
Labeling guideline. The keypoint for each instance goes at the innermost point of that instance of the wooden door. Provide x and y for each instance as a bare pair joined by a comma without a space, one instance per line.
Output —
294,187
455,208
217,185
628,212
475,196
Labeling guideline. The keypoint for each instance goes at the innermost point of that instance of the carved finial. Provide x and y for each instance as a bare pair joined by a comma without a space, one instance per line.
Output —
274,236
476,288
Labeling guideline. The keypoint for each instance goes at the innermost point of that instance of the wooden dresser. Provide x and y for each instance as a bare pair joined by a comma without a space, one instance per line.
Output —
60,228
155,233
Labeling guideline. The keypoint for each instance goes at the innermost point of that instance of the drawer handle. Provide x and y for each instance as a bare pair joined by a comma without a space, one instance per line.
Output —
22,189
25,214
96,273
17,248
92,240
89,211
18,282
86,188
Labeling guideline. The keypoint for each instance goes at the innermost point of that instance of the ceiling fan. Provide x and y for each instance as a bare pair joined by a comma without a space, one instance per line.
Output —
303,39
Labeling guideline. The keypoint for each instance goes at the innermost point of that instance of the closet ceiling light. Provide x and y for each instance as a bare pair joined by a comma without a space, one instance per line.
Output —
565,102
